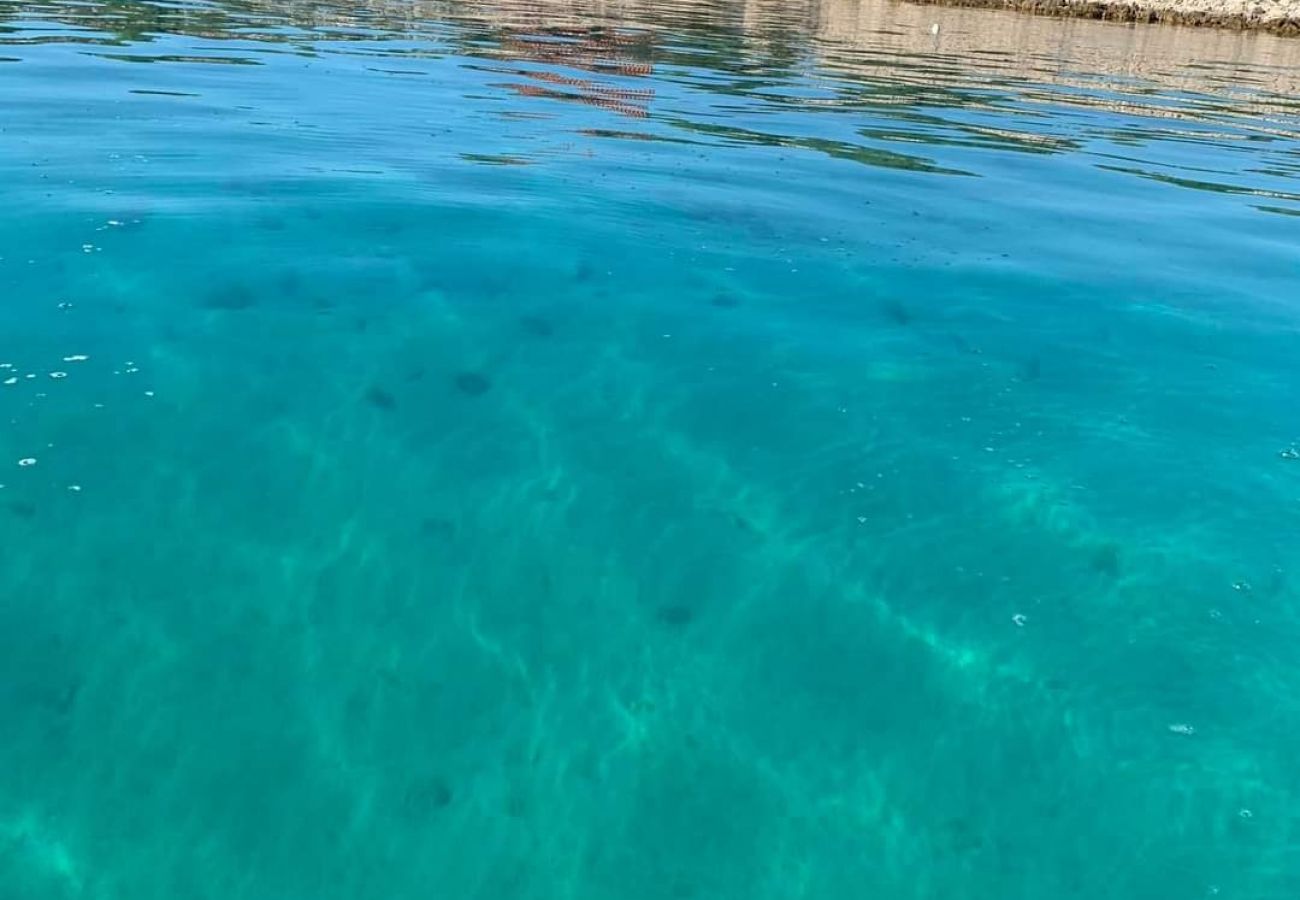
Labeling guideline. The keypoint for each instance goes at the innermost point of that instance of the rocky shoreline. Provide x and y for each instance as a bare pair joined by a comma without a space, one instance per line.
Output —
1274,16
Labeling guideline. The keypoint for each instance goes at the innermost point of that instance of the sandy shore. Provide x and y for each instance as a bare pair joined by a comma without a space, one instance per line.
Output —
1276,16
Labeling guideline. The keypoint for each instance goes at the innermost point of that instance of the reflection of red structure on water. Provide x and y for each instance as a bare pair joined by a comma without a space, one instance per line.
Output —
597,50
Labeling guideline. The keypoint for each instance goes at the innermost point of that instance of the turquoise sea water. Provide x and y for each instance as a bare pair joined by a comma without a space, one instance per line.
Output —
566,451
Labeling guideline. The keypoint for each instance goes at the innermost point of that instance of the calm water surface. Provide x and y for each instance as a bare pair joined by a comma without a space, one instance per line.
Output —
560,451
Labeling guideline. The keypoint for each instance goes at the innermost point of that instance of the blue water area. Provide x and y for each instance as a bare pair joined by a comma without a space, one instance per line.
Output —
698,449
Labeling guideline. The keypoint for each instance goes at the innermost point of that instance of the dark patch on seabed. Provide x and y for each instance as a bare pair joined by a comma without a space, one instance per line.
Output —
472,384
230,298
381,399
675,615
536,326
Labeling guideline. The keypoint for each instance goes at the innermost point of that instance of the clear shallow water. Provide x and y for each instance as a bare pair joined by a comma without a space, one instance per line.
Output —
545,451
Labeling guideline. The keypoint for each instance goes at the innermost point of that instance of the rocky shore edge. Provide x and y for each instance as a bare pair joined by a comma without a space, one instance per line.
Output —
1274,16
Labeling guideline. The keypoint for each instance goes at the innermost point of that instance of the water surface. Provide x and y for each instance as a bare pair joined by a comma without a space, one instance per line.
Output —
646,450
